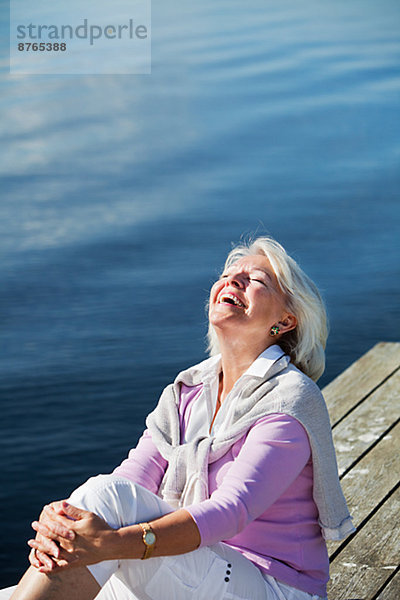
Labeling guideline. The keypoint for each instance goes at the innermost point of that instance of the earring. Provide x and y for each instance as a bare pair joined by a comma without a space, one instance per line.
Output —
274,330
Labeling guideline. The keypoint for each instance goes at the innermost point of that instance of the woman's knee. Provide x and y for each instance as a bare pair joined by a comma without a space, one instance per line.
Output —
118,500
111,497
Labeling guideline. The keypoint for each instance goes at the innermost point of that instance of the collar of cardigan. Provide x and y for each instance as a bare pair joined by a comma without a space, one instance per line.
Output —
210,368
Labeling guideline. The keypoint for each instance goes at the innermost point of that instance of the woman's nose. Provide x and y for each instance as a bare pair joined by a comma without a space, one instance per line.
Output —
234,280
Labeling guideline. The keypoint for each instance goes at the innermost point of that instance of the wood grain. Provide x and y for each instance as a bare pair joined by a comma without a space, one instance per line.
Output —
367,423
392,590
351,386
371,480
364,565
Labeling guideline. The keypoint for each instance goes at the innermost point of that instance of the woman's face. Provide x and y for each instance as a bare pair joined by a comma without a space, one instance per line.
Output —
247,299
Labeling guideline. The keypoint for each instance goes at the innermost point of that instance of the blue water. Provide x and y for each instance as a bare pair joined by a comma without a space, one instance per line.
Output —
121,196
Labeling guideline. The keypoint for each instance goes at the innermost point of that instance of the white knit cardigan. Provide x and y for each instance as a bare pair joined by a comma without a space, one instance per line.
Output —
283,389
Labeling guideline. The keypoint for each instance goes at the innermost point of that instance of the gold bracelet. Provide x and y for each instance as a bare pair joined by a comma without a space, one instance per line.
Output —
149,539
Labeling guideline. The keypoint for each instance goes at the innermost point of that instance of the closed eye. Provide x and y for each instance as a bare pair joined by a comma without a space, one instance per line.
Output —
249,279
258,280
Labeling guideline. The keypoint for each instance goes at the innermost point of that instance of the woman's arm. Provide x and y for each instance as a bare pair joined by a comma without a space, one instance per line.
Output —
273,454
144,466
176,533
78,537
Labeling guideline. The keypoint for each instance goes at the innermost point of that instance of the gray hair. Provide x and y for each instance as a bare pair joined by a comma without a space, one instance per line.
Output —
306,343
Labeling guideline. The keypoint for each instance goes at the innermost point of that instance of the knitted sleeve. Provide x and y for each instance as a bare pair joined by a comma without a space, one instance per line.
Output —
144,464
272,455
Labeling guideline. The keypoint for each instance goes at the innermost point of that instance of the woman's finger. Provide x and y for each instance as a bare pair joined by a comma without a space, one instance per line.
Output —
72,512
44,561
52,547
33,559
45,564
40,560
43,530
58,506
45,545
60,523
66,560
53,530
54,508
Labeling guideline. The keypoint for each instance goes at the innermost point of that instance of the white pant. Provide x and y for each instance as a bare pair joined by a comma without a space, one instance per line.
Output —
217,572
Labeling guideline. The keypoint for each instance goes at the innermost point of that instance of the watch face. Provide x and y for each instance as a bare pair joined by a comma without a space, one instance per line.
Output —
149,538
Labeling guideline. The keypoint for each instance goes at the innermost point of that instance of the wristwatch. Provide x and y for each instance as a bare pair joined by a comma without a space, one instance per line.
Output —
149,539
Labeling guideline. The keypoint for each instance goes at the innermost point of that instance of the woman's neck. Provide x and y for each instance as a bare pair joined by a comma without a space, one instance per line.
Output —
235,360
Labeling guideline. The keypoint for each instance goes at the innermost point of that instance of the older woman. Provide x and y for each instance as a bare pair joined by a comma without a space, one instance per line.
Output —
233,487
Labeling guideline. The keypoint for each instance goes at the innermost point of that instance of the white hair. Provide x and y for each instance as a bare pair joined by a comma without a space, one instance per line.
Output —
306,343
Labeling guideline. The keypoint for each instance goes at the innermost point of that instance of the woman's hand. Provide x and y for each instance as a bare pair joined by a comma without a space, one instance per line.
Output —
69,537
36,557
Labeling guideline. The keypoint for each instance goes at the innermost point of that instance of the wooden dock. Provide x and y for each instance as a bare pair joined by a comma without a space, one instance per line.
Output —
364,405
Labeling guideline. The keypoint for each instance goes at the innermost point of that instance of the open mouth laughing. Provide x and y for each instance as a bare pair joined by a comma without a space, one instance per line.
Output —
226,298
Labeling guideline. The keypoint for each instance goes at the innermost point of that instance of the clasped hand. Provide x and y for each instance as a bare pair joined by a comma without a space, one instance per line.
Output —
69,537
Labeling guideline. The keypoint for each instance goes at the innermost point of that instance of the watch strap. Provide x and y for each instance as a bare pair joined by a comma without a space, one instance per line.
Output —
149,547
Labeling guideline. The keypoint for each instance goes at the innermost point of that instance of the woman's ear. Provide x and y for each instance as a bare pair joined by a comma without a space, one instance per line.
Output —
287,324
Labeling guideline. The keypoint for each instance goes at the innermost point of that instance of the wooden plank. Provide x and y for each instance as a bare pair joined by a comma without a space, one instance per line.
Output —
378,472
360,430
364,565
360,378
392,590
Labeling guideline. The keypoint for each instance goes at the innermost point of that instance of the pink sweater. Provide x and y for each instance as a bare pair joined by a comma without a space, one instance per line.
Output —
260,501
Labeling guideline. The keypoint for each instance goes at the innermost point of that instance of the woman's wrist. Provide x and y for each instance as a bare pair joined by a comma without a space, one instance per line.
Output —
176,533
126,543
